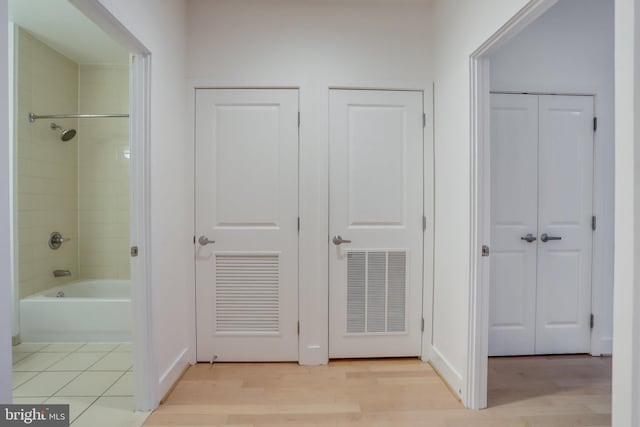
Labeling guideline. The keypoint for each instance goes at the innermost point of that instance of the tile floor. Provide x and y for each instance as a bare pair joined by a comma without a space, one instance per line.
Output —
95,379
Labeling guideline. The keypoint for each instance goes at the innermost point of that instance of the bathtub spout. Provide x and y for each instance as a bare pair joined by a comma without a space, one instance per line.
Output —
61,273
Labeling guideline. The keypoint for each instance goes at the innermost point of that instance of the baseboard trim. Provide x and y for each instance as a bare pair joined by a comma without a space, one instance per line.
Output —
15,340
447,372
606,346
172,375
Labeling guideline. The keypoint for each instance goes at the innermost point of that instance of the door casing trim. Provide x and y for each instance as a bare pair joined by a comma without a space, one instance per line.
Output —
475,390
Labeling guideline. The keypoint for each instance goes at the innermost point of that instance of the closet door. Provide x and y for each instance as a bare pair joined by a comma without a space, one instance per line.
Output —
375,223
514,217
541,237
246,183
564,224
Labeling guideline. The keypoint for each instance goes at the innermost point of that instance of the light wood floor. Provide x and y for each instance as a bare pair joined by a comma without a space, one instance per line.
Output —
566,391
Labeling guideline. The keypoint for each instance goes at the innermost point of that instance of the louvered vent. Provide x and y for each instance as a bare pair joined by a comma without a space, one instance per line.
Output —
376,292
247,294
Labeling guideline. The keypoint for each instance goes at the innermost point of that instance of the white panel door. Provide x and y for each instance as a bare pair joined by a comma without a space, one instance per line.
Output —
246,192
514,216
541,188
565,210
376,207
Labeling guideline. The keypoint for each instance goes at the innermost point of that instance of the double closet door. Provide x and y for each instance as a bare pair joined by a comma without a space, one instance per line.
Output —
541,224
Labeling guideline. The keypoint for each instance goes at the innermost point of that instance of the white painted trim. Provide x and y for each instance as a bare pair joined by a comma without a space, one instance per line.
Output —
428,167
626,321
140,185
476,380
190,212
5,224
477,368
173,373
451,376
146,393
13,205
100,15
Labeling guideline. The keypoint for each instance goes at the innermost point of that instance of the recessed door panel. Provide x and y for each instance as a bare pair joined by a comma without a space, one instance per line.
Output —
376,165
247,157
375,219
246,224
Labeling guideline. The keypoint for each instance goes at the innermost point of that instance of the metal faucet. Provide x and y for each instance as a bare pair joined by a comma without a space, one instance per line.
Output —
61,273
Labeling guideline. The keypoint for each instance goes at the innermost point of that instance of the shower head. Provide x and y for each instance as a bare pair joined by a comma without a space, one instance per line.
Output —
65,134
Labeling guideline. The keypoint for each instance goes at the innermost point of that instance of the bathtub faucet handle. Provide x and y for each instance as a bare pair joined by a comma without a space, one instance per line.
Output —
56,240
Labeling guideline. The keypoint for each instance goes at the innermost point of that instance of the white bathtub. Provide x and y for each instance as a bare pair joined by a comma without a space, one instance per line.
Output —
89,311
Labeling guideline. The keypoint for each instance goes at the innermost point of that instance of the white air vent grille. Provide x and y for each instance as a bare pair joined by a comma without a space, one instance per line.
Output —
247,294
376,292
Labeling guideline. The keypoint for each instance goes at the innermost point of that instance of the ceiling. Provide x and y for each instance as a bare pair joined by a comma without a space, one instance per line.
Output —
64,28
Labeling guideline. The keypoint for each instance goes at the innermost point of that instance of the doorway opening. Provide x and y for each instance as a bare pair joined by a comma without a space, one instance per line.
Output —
79,131
552,61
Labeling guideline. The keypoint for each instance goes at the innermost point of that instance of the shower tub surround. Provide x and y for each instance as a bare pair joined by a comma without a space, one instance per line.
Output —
72,177
91,310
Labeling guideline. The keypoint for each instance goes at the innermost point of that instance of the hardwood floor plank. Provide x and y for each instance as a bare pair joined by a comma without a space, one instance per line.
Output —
548,391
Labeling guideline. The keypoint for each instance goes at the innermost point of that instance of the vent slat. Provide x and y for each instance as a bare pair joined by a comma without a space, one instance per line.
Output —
247,294
376,292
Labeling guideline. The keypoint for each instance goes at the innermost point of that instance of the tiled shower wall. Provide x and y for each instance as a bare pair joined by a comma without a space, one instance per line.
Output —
79,187
47,196
103,173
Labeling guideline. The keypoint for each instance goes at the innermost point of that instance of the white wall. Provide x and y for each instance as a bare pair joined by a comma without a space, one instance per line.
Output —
461,26
312,45
6,263
160,26
626,321
569,49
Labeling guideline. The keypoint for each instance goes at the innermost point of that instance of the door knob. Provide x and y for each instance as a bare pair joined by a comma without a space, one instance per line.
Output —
529,238
545,237
204,241
338,240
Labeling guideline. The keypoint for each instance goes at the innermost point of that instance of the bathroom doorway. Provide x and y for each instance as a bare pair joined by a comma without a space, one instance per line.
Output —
77,214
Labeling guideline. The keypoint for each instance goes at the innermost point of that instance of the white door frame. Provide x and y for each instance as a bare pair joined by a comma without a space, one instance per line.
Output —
144,372
480,227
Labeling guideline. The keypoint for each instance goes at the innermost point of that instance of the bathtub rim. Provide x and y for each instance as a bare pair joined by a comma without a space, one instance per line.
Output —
42,295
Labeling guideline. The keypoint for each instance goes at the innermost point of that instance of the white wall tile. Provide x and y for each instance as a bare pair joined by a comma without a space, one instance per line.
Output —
80,187
103,174
46,167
